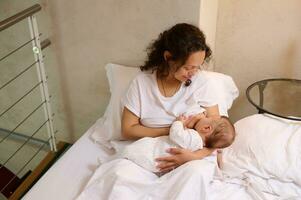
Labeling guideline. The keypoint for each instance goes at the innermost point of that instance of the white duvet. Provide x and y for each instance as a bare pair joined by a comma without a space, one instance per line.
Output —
264,163
267,154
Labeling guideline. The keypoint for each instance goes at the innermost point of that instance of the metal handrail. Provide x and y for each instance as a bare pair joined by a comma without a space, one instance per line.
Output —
15,50
20,147
19,137
28,92
45,43
18,75
37,47
19,16
27,117
20,170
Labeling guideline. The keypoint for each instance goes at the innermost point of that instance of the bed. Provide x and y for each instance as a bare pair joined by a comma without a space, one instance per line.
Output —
254,167
68,176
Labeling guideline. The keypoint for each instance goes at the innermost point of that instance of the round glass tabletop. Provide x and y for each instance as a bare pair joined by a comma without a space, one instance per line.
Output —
279,97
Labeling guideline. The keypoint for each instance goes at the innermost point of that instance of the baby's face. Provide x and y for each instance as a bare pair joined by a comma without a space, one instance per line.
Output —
222,135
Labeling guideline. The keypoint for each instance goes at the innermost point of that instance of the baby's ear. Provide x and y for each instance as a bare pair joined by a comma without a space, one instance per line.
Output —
207,129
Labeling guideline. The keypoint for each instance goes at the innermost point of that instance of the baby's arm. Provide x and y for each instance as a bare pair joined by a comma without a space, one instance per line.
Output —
188,139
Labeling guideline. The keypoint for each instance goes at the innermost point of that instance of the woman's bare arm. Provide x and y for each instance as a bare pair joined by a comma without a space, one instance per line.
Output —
132,129
202,153
179,156
212,111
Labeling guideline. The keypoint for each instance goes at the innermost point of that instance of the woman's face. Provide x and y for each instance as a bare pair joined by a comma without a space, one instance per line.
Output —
191,66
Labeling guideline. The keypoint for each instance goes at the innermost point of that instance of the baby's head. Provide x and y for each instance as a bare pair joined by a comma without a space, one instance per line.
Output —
218,132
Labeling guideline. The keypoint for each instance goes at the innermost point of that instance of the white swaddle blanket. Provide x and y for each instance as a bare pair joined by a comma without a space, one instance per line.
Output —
144,151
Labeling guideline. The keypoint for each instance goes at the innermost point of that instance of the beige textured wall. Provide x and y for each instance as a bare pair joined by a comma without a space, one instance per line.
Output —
257,39
89,34
207,23
208,18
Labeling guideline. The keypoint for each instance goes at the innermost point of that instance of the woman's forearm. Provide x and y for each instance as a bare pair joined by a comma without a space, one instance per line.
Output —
138,131
132,129
213,111
202,153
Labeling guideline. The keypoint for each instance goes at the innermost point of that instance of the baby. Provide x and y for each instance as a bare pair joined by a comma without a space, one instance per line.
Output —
208,132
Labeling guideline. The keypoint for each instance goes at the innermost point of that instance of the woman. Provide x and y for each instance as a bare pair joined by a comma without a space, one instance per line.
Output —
168,85
157,96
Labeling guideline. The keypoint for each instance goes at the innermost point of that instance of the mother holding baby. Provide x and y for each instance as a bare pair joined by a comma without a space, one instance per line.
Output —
171,81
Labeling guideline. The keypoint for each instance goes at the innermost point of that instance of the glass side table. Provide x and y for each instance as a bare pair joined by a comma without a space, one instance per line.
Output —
278,97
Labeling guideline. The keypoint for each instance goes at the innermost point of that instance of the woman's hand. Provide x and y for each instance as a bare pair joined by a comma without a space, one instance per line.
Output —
178,157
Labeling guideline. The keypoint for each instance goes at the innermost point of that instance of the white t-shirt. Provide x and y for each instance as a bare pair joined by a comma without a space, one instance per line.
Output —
145,100
144,151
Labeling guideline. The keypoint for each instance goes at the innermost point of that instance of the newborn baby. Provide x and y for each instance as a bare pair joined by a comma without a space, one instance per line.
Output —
208,132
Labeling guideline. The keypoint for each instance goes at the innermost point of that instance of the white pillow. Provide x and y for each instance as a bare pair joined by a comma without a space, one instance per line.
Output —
108,127
226,90
267,147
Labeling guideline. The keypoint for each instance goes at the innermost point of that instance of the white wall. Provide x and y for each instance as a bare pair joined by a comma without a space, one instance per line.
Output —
207,23
208,18
257,40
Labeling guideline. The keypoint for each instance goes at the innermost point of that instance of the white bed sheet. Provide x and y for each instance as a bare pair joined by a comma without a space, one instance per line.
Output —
68,176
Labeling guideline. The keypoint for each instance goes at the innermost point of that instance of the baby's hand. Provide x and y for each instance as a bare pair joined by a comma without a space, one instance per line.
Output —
203,115
181,118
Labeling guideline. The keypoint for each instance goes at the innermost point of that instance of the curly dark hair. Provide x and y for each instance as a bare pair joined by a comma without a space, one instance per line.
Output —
181,41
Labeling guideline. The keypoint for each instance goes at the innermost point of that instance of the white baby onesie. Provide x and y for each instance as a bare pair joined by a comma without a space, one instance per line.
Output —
144,151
